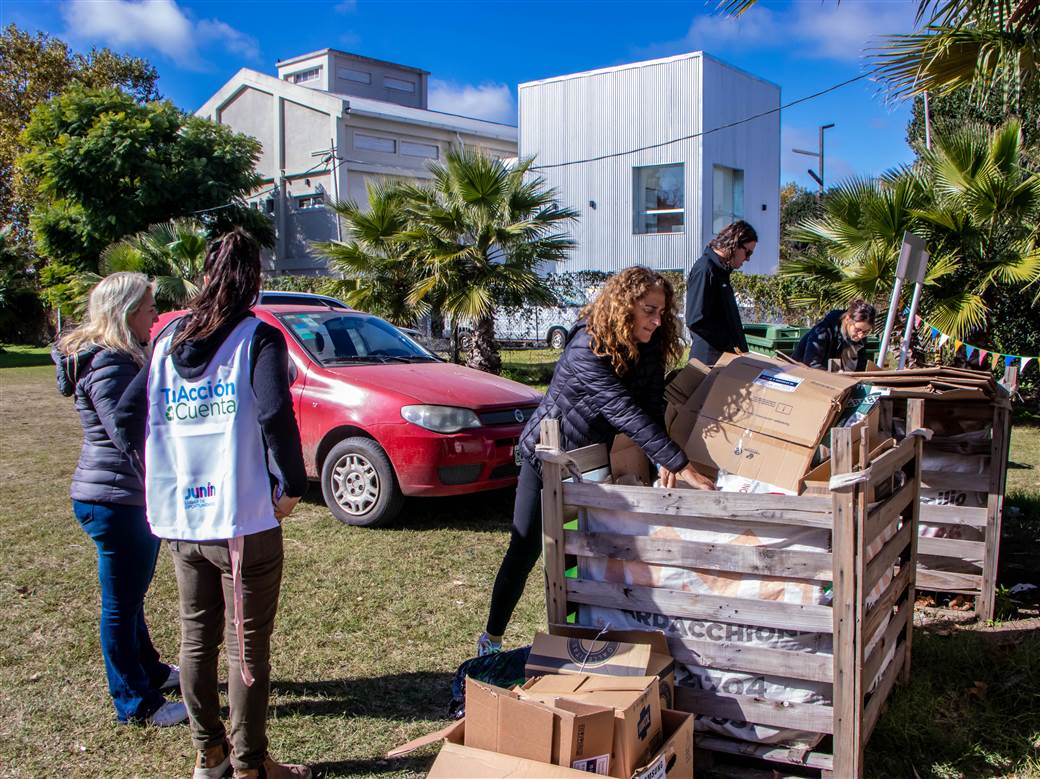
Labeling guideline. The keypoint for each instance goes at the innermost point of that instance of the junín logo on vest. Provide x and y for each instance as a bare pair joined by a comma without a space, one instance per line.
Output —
200,496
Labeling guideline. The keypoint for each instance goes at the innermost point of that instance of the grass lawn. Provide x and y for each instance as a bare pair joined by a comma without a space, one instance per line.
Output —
373,623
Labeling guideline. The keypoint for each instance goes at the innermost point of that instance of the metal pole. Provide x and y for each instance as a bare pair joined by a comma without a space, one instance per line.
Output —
822,176
890,321
927,124
905,347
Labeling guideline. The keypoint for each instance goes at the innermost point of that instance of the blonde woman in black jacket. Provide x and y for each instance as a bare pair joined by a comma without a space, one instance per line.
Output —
609,380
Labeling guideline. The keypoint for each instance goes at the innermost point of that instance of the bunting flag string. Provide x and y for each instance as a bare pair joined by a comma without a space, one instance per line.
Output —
932,333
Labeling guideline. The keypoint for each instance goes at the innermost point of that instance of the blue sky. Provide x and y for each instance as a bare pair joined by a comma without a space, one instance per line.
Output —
477,52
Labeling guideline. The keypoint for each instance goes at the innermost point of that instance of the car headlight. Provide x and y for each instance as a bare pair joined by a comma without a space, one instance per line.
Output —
440,419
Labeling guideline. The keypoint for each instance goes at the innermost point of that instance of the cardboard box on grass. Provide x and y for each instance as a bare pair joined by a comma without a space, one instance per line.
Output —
579,649
763,419
673,761
636,701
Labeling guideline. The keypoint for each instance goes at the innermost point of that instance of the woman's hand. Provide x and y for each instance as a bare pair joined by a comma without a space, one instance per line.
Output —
283,504
666,476
695,480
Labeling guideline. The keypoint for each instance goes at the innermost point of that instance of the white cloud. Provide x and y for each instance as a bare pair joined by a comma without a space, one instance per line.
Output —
493,102
160,25
816,30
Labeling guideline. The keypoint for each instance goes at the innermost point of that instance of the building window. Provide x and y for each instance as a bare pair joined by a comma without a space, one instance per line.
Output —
427,151
399,85
727,199
360,76
310,201
374,143
311,74
658,199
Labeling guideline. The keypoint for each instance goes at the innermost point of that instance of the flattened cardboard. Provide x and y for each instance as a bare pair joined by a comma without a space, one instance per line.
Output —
461,762
561,654
749,454
795,404
637,710
628,459
661,663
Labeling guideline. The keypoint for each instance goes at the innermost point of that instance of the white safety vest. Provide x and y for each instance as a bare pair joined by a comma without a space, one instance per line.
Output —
206,476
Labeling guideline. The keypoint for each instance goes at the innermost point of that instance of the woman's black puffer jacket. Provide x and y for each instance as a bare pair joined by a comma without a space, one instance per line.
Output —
593,404
98,377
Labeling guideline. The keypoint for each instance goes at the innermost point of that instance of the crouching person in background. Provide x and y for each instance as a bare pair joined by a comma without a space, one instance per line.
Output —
840,335
211,411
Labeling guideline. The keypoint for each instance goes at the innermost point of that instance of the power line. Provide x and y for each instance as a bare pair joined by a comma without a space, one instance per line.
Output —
776,110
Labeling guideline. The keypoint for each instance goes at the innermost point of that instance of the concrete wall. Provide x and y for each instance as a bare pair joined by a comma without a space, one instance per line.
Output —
377,87
252,112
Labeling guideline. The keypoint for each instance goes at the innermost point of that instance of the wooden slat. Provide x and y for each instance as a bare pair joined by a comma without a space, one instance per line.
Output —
974,551
737,656
742,611
758,560
872,711
890,638
552,527
953,515
947,581
687,504
985,603
891,461
882,608
848,694
915,420
948,480
589,458
813,759
818,718
885,560
882,516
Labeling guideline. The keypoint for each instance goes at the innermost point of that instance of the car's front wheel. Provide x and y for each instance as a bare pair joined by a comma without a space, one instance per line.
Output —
359,485
557,338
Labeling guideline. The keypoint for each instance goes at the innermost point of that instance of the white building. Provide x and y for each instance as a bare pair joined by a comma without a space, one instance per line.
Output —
330,122
608,140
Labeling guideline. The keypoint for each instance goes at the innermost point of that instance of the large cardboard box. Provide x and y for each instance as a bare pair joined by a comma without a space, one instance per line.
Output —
636,701
564,732
762,419
579,649
673,761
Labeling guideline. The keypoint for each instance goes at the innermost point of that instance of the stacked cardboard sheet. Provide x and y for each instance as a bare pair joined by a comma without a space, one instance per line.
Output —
942,383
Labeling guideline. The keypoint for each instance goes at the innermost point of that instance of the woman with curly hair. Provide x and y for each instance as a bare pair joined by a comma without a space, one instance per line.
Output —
609,380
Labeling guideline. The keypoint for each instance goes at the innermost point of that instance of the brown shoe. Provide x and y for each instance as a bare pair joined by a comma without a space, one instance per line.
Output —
213,762
272,770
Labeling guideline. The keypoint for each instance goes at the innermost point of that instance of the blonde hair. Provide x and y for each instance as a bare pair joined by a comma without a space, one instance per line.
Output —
111,302
611,317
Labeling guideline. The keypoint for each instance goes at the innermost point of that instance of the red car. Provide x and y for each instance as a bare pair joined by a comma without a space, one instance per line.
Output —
381,417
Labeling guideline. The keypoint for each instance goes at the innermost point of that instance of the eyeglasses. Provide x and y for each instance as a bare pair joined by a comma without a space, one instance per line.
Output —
747,252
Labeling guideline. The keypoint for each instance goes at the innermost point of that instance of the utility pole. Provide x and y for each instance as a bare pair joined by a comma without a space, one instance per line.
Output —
818,178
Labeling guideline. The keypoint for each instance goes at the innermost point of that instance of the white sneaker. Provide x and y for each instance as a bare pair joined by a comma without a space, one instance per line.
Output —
173,681
212,763
170,713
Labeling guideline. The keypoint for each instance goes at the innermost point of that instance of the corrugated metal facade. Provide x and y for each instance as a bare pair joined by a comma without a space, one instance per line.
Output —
628,107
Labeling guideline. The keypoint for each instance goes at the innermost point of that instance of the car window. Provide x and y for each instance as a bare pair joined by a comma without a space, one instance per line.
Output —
332,337
300,300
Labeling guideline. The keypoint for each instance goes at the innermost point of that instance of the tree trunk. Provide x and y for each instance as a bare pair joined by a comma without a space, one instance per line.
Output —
483,353
453,346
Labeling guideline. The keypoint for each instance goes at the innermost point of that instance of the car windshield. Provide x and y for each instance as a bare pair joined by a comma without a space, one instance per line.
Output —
335,338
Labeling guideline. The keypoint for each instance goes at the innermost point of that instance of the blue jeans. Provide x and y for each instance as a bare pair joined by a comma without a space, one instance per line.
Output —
127,552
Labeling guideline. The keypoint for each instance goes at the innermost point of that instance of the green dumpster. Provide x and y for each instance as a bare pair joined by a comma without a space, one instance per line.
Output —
769,339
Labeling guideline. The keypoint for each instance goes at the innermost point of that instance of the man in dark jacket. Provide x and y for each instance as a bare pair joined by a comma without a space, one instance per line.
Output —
841,335
712,315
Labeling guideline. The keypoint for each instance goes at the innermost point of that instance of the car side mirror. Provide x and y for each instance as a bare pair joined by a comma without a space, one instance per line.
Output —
294,372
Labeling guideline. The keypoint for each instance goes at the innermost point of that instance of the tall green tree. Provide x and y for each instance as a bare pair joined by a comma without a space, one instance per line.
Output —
107,166
484,232
171,253
33,69
21,314
976,206
379,264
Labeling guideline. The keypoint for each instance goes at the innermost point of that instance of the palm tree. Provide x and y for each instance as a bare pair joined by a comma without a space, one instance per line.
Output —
172,253
379,265
972,201
483,230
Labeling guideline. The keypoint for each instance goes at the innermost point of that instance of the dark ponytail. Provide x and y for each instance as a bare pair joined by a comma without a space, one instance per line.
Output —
232,271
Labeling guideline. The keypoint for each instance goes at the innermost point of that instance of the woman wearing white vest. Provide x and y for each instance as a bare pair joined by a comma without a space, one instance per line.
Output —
212,410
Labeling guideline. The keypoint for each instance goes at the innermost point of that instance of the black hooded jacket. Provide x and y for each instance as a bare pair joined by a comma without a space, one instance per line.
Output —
97,378
593,404
269,361
826,341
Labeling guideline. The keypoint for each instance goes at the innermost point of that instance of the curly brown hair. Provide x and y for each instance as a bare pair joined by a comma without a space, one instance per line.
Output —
611,316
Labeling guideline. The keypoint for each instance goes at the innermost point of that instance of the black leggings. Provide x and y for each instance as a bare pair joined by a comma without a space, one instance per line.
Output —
525,547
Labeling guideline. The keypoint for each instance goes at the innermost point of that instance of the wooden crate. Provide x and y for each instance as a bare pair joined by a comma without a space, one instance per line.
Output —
859,683
958,565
